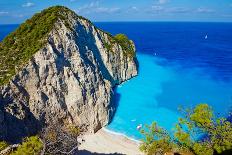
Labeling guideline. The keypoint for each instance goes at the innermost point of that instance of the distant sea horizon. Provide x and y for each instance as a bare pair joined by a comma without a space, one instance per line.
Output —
181,64
148,21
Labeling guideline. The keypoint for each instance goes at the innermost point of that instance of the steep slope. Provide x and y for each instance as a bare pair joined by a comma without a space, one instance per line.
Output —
63,68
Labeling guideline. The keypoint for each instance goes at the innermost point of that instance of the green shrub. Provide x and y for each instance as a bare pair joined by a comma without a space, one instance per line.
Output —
30,146
157,140
197,121
3,145
121,39
108,46
126,45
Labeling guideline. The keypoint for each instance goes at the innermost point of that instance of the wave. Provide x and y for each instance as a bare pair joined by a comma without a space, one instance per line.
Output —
122,135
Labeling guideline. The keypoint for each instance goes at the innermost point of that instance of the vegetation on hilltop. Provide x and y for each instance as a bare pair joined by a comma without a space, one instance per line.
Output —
124,42
126,45
216,134
19,46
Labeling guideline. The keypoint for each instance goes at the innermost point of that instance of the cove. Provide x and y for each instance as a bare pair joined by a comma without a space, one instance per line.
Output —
160,89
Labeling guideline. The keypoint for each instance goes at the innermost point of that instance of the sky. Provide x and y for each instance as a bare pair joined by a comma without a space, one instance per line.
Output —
17,11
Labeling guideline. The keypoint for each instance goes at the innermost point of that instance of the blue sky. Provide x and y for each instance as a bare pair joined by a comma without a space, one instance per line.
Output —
17,11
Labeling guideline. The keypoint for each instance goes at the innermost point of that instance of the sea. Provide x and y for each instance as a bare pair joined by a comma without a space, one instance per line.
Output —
181,64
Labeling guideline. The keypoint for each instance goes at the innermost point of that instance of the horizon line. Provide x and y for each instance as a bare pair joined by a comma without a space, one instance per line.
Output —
151,21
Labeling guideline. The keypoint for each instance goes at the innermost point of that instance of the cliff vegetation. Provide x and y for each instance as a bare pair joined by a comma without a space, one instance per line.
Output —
19,46
124,42
199,133
3,145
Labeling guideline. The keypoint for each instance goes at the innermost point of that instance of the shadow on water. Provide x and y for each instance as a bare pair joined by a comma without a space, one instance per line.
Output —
229,117
85,152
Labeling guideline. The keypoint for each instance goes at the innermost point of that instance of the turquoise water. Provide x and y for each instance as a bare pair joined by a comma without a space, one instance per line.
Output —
157,92
178,67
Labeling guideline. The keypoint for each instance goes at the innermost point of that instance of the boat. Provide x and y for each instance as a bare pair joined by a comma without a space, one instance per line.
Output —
139,126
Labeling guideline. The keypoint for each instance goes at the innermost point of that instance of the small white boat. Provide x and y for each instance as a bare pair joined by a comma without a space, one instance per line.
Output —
139,126
206,36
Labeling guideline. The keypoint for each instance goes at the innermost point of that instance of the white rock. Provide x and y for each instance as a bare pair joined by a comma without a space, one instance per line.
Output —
70,79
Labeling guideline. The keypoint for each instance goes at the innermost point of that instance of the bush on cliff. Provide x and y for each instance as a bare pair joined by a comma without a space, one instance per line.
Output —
157,140
216,134
126,45
121,39
3,145
32,145
19,46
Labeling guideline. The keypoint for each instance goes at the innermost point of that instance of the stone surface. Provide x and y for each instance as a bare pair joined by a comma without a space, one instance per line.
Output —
71,79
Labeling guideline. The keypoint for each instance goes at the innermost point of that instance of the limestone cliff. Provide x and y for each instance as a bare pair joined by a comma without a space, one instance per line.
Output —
70,78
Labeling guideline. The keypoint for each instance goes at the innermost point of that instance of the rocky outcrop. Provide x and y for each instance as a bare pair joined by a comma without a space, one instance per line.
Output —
70,79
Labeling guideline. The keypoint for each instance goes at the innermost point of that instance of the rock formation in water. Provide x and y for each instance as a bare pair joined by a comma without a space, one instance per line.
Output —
67,74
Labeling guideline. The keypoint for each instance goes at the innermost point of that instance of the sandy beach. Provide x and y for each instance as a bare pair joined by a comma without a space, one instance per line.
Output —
104,142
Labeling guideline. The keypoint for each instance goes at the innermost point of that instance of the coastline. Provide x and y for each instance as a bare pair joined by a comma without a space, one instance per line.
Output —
121,135
109,142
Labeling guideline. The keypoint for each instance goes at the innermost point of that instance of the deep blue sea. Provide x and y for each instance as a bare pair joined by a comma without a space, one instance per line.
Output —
178,66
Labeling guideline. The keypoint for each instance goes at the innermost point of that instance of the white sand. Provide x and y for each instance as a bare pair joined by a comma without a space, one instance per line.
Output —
104,142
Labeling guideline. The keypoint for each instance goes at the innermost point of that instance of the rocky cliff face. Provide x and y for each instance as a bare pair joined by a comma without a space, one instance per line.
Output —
71,79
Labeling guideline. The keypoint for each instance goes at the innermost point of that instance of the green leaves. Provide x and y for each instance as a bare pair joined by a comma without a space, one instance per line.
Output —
3,145
157,140
202,116
126,45
202,149
221,135
121,39
197,122
31,145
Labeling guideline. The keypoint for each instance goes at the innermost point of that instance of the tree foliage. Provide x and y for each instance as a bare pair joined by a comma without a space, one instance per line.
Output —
157,140
199,132
121,39
30,146
126,45
3,145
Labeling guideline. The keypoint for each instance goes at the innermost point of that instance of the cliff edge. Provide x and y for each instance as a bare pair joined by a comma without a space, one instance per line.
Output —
58,65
